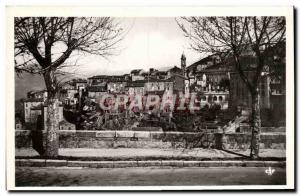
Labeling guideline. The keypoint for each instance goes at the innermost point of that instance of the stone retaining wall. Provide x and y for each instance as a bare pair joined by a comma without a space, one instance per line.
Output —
247,129
150,139
242,141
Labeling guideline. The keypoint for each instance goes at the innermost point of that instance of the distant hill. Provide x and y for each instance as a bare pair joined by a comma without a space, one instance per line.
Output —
165,68
27,82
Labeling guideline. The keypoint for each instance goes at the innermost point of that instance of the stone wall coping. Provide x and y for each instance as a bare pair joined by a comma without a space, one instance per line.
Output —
20,130
263,133
66,131
273,133
27,132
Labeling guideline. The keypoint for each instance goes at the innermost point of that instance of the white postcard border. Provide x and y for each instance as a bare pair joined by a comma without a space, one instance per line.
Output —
12,11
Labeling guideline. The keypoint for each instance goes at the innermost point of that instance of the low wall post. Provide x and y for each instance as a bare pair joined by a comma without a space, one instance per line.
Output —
219,140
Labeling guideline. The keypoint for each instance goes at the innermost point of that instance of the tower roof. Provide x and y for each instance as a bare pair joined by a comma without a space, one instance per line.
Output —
183,56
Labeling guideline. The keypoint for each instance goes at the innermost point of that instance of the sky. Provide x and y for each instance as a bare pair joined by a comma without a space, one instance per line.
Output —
148,43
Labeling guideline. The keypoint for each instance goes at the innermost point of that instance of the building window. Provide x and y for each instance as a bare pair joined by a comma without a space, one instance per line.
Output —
215,98
220,98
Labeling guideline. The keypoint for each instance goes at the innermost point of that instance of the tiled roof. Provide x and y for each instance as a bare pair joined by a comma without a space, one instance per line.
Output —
96,88
33,100
38,107
118,78
199,62
137,83
99,77
175,69
156,80
175,75
136,71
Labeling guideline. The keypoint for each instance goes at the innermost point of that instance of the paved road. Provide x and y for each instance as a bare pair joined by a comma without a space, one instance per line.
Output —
32,176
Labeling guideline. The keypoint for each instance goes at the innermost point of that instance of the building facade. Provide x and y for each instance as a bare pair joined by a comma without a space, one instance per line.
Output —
137,74
209,78
32,108
240,96
135,87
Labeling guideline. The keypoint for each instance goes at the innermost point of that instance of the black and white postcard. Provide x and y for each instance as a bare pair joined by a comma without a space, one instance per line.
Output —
158,98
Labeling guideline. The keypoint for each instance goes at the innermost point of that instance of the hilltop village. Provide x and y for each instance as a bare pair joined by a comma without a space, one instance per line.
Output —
221,95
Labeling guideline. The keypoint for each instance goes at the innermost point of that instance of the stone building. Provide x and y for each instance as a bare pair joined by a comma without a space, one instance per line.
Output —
208,72
80,84
18,124
96,91
137,74
32,108
116,86
97,80
69,96
135,87
153,74
220,98
277,94
240,97
42,94
174,71
178,83
271,93
155,85
209,78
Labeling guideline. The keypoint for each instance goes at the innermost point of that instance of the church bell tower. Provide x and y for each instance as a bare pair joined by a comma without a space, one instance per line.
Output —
183,64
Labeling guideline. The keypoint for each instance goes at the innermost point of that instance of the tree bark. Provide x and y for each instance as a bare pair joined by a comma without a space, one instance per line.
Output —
52,116
255,124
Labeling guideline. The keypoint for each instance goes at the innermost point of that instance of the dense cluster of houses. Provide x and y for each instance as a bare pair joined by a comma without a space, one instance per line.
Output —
214,82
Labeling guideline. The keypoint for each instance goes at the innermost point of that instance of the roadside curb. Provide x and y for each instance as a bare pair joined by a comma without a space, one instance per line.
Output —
150,163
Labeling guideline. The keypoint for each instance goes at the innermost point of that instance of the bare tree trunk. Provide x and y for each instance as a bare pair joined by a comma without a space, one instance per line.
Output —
52,121
255,124
52,125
